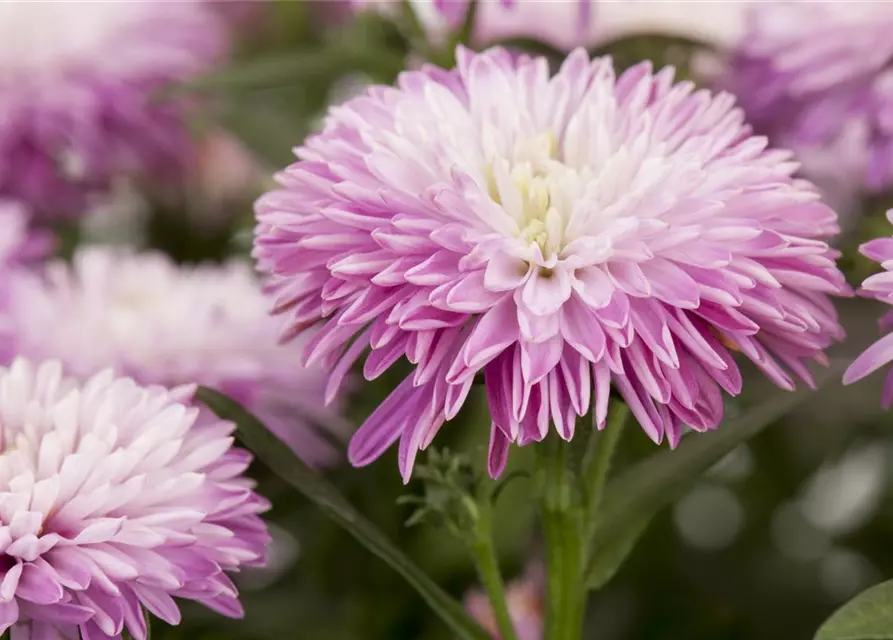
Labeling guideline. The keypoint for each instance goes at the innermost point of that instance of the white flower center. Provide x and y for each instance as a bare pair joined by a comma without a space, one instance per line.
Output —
532,187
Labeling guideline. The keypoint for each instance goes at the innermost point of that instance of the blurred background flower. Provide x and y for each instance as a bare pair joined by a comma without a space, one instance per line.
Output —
160,323
79,85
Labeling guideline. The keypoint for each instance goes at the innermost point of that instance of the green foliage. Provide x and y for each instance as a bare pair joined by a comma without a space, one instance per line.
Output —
636,496
868,616
279,458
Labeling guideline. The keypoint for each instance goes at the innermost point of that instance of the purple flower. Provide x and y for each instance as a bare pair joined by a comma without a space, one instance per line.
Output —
552,236
78,93
162,324
880,287
115,498
816,75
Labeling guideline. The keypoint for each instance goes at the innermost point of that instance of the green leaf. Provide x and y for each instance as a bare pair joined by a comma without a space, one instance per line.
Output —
633,499
868,616
267,128
279,458
295,69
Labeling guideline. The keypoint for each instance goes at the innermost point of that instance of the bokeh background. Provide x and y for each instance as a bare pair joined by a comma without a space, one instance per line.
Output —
769,543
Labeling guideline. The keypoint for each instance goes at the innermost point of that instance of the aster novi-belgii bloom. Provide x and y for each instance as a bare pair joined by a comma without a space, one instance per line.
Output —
115,498
880,287
555,236
164,324
809,74
78,83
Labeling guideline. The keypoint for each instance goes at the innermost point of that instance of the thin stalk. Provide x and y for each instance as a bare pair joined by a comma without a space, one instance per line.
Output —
484,552
597,464
563,530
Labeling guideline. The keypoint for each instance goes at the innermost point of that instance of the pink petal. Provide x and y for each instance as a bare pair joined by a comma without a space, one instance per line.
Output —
872,359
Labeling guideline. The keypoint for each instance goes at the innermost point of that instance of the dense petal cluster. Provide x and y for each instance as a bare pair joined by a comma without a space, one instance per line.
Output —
164,324
115,497
880,287
78,83
553,236
816,75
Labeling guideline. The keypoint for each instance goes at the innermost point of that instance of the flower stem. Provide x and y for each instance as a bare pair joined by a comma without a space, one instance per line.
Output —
488,570
597,464
563,529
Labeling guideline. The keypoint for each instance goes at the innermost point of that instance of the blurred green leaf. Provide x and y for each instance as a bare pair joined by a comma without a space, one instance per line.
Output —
295,68
868,616
639,493
266,127
279,458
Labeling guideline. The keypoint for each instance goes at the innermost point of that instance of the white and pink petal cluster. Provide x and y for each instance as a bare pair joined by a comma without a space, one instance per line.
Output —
816,76
162,323
554,237
114,500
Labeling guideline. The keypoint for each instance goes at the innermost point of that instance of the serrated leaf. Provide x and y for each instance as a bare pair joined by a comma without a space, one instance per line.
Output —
868,616
633,499
279,458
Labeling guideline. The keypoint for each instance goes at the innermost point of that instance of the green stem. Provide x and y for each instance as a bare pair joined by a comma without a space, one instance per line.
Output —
597,464
488,569
563,529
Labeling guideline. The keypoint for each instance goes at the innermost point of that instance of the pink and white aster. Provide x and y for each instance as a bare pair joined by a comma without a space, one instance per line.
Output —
161,323
553,236
810,73
879,287
78,93
115,499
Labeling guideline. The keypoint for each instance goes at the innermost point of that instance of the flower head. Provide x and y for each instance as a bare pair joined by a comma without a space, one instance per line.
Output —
811,73
77,92
114,498
163,324
552,236
880,287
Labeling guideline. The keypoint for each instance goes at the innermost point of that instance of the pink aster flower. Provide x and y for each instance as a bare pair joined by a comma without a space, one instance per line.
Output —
809,73
160,323
551,236
78,84
880,287
115,498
